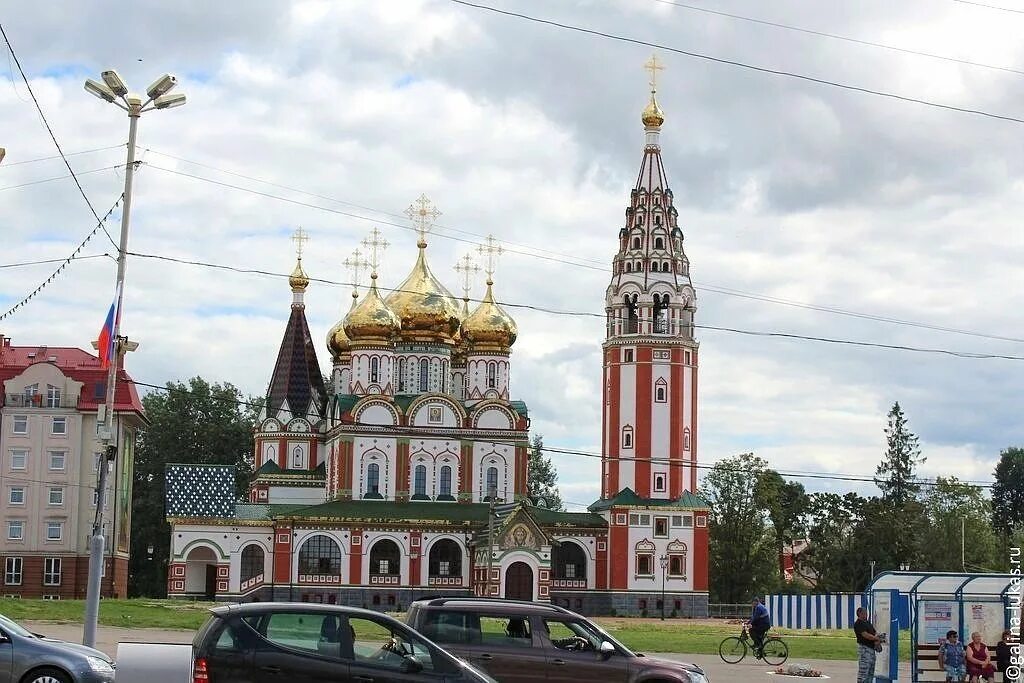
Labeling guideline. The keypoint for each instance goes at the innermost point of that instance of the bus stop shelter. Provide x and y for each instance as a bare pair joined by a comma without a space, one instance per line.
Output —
940,602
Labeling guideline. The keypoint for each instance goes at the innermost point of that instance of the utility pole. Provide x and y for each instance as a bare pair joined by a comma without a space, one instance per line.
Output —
872,563
112,90
963,544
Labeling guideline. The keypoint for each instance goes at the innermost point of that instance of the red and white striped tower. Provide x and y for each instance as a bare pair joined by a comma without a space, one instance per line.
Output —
650,354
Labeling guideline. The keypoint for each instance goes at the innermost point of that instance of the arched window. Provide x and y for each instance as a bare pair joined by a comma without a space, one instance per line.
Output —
657,220
627,437
297,458
424,374
569,562
664,266
661,391
629,266
445,560
659,243
374,370
373,481
661,314
444,376
654,267
320,555
636,240
686,439
420,482
445,486
271,455
401,375
492,375
252,562
385,558
632,315
492,483
639,266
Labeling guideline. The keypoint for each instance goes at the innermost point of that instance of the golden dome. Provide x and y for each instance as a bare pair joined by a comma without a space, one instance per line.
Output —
489,328
371,320
427,310
298,279
653,116
338,342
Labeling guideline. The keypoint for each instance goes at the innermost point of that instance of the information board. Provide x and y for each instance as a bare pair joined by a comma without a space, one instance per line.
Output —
886,621
935,619
987,618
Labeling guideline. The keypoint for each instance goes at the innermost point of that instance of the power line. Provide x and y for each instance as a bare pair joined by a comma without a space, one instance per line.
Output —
742,65
64,264
986,6
725,291
428,432
39,108
8,164
62,177
835,36
23,264
588,314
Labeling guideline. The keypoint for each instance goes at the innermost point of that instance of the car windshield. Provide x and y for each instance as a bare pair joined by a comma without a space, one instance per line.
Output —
607,636
11,627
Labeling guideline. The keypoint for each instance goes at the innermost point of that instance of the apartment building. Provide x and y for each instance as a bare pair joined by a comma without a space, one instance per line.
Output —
49,464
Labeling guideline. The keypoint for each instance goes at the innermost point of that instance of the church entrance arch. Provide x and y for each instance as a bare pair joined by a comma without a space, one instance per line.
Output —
519,582
201,573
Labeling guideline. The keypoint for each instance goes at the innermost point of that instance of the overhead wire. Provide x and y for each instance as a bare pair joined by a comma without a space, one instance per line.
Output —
8,163
23,264
736,63
62,177
987,6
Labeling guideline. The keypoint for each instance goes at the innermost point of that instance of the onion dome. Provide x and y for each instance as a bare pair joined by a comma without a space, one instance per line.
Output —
653,116
298,279
427,310
371,320
489,328
338,342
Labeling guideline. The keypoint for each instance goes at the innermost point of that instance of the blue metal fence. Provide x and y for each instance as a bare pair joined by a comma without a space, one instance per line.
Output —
829,610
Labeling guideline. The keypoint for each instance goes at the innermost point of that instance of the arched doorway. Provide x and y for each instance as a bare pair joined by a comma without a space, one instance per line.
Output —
444,564
201,573
385,563
519,582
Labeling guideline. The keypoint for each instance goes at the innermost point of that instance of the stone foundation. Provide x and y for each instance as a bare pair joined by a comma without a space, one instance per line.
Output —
633,604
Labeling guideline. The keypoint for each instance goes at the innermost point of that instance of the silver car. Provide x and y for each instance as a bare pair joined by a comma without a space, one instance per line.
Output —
26,657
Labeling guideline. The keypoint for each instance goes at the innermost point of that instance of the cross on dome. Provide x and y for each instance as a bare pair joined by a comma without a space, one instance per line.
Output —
300,237
490,250
355,264
654,67
467,268
376,244
422,213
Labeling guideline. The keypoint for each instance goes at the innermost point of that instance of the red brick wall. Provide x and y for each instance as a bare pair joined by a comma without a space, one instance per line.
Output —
73,580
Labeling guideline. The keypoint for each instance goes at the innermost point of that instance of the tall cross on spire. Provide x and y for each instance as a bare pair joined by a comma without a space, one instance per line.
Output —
356,263
467,268
654,67
376,245
490,250
422,213
300,237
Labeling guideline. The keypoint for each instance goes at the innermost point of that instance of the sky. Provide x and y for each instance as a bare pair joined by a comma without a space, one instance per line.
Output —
337,115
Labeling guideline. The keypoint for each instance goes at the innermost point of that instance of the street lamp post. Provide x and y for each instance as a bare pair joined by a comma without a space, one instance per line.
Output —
663,560
114,90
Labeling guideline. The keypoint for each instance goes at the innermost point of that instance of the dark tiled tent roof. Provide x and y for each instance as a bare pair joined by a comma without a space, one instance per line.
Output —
628,498
200,491
297,378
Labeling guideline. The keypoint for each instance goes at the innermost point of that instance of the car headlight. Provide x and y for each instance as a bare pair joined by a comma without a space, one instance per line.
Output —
99,665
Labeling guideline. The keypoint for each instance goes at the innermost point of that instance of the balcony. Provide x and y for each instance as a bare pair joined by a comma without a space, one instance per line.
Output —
38,401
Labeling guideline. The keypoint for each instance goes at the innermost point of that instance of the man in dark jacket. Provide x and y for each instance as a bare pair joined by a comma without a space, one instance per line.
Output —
760,622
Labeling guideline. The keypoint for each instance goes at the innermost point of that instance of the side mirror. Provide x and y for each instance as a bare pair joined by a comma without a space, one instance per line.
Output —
411,665
606,649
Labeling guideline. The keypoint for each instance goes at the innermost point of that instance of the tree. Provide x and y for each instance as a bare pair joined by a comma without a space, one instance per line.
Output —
836,559
740,551
785,503
954,508
542,479
1008,492
198,423
898,524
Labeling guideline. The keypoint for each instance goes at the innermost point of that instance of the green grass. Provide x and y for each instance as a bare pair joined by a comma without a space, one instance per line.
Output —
643,635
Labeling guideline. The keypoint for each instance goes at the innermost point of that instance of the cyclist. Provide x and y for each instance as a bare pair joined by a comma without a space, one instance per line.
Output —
760,622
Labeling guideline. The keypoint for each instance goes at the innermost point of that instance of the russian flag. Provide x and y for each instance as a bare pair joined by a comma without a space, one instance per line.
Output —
106,341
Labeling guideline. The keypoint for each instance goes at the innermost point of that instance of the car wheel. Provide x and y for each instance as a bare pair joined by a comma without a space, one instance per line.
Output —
46,676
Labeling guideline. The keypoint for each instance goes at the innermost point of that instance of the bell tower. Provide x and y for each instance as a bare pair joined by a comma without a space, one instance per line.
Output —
650,354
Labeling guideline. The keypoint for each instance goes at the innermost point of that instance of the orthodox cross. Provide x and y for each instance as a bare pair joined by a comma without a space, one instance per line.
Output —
376,245
467,269
355,264
422,213
654,67
300,237
490,250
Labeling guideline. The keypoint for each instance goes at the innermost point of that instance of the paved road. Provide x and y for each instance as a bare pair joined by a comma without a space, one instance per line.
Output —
746,672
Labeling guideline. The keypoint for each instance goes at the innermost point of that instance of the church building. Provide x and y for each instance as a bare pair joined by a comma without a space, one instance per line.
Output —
405,475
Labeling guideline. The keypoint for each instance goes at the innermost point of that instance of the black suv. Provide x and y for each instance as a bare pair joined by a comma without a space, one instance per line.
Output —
524,642
307,643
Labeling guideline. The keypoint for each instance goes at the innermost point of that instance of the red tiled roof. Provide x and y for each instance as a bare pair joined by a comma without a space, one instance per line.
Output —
77,364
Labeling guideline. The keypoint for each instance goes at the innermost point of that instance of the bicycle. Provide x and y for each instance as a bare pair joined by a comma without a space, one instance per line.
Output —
733,649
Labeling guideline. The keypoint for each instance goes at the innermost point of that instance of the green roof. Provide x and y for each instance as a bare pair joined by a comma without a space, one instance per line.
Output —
387,511
260,511
627,497
547,517
520,407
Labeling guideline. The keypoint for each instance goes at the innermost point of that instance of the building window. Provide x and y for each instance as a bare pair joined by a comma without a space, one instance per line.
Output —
54,531
401,374
57,461
687,521
445,489
686,357
492,375
659,483
420,481
569,561
297,457
19,459
16,496
59,425
12,571
373,480
645,520
659,243
645,564
634,520
52,397
636,240
385,558
492,483
21,424
702,521
51,571
445,559
56,495
15,530
627,437
424,374
661,313
677,565
661,391
686,439
252,562
320,555
374,370
661,527
444,376
627,355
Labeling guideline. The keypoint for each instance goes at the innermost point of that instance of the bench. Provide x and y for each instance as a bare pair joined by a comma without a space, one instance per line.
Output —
927,663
